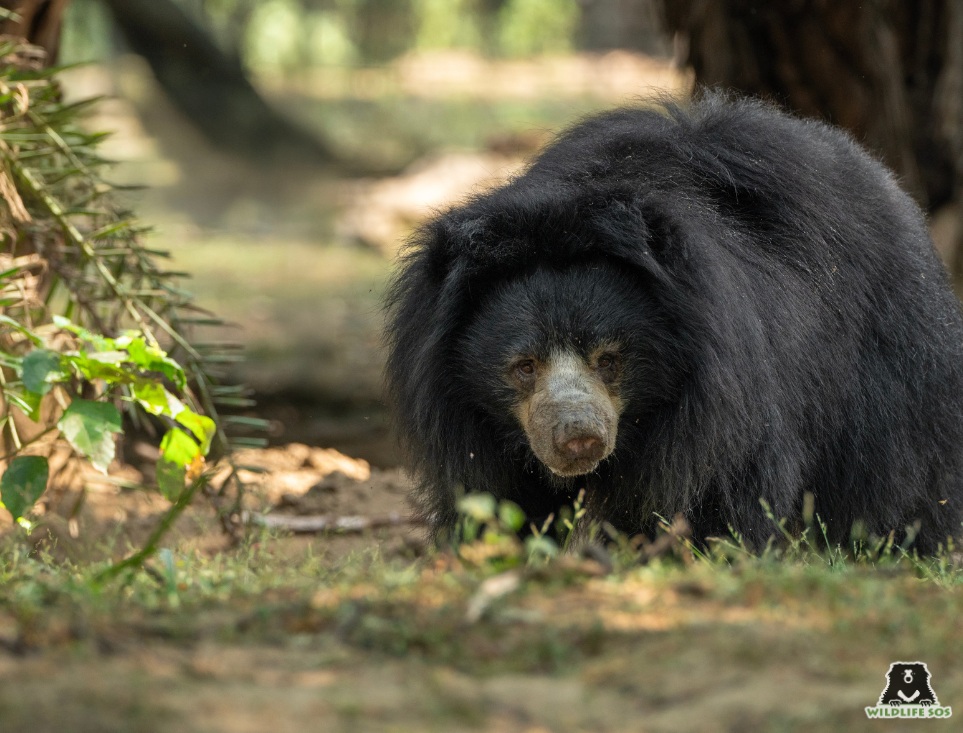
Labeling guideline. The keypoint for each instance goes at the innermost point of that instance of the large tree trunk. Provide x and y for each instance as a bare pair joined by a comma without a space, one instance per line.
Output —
209,86
38,22
889,71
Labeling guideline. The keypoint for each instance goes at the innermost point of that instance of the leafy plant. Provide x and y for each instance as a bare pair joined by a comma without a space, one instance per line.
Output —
91,325
128,366
488,531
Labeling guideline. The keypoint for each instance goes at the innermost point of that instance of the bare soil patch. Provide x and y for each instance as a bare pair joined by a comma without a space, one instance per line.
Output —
85,514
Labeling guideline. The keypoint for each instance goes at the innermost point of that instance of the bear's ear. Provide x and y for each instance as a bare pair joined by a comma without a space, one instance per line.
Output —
488,246
638,232
426,296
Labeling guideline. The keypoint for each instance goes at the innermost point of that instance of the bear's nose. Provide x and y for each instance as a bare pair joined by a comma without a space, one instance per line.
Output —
584,447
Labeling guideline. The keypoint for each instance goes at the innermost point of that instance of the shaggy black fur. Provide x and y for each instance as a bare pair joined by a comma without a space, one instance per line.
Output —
787,325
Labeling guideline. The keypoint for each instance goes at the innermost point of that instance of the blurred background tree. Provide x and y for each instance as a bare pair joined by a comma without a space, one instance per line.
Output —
207,80
891,72
203,52
39,22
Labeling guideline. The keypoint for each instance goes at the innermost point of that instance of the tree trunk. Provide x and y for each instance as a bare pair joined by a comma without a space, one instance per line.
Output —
889,71
38,22
209,86
621,24
874,68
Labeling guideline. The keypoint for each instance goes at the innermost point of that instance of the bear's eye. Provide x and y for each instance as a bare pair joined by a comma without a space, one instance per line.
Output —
607,367
525,369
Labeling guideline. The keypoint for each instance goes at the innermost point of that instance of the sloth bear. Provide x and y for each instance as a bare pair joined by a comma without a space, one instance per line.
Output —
908,683
686,309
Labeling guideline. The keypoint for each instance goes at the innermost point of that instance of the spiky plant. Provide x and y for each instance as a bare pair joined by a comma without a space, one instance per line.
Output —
88,316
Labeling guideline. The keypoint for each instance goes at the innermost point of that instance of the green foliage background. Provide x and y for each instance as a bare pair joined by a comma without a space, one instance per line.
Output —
284,35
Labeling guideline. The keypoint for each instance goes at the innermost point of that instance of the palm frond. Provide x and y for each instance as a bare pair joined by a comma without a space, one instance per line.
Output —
69,249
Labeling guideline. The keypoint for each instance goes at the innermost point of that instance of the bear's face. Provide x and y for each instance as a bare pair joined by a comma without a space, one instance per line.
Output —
569,406
562,354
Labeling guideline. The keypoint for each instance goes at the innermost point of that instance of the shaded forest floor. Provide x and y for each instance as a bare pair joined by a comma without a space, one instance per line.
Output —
370,631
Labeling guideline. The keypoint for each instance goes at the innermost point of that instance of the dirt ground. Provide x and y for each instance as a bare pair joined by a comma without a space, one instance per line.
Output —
282,486
427,645
321,687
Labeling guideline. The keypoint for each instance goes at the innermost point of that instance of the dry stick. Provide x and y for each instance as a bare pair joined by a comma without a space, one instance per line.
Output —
229,518
318,523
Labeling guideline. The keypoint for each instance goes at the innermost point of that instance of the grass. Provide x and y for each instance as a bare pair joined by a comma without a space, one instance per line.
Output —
767,643
397,605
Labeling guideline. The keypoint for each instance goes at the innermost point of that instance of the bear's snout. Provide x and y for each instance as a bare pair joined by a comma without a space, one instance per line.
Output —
571,417
580,437
587,448
571,439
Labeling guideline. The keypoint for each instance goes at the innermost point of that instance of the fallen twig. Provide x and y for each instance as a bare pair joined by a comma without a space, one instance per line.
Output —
317,523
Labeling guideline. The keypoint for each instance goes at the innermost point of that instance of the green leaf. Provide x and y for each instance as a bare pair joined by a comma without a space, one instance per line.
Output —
90,368
9,273
112,228
8,321
202,427
541,548
90,427
41,368
28,402
178,447
170,478
102,343
511,515
135,345
155,399
480,507
153,359
108,357
22,484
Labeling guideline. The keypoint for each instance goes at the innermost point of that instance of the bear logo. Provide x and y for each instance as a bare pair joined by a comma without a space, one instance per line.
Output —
908,683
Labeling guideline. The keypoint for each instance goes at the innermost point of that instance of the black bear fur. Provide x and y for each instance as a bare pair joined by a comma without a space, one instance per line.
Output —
790,329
